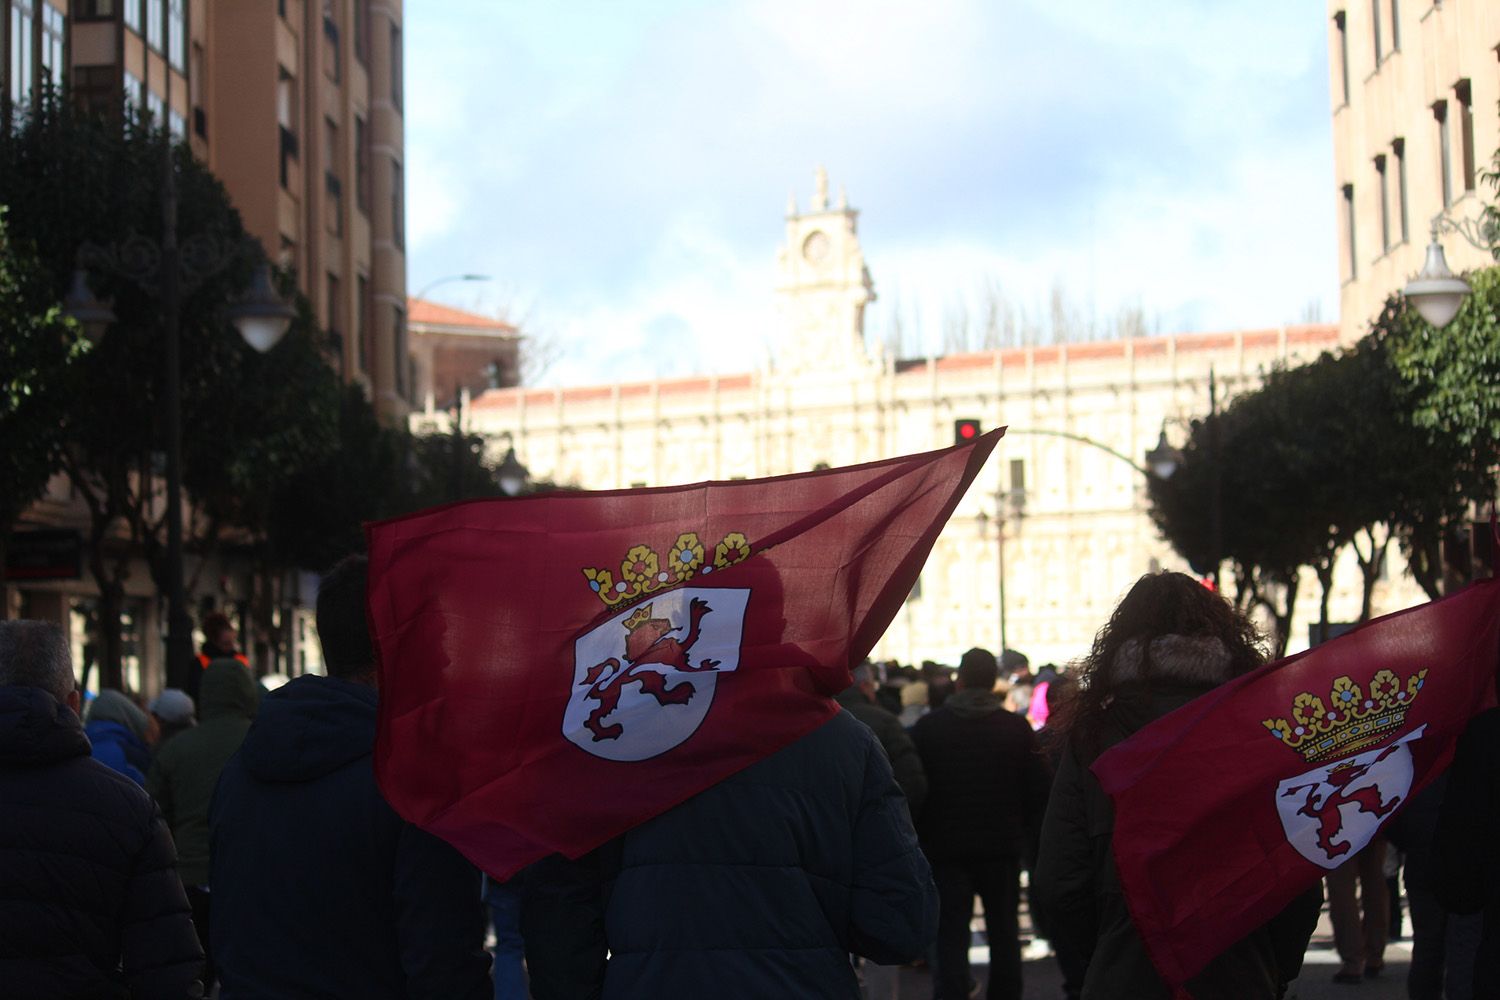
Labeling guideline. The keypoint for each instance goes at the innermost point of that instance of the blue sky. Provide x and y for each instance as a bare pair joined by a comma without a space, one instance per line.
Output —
622,169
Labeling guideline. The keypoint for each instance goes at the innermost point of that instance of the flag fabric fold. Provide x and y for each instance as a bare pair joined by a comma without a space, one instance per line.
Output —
557,669
1230,807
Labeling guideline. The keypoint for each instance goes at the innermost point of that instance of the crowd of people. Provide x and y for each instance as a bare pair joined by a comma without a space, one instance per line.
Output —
232,841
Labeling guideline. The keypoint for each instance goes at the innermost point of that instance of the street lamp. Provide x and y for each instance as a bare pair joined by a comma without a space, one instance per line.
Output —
1163,460
513,476
1438,293
172,271
452,277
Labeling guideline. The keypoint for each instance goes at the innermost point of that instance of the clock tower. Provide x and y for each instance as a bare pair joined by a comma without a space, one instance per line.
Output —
823,286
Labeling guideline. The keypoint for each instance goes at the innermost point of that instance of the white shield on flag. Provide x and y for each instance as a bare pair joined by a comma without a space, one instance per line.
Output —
1330,813
644,680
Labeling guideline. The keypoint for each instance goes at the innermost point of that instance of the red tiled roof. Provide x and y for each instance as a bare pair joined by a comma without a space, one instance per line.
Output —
435,314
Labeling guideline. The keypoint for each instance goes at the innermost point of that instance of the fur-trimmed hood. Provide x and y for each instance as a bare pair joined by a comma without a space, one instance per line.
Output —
1197,660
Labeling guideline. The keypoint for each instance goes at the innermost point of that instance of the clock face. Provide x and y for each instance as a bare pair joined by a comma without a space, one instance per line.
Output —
815,247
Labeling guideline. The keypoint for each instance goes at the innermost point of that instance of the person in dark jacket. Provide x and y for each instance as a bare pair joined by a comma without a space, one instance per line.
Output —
183,776
986,791
761,886
1467,864
91,905
319,888
1169,641
859,699
120,735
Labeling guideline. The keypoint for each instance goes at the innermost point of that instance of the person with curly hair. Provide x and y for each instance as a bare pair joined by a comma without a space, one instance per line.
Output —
1169,640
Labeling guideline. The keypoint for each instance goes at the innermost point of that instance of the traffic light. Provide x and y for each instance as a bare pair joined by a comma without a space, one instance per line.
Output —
965,431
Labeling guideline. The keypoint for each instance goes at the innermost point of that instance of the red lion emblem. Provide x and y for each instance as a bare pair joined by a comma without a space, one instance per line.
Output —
647,642
1326,810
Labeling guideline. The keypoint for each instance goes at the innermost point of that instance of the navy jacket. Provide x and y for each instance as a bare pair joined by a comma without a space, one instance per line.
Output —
90,903
760,886
319,888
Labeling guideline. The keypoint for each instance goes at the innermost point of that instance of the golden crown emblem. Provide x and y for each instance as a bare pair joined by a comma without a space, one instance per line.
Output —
643,571
1351,720
639,617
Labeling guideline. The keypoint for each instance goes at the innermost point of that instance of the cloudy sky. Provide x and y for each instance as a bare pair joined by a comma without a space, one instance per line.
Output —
622,168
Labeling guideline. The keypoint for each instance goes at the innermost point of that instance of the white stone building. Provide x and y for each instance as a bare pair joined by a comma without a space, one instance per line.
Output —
1081,415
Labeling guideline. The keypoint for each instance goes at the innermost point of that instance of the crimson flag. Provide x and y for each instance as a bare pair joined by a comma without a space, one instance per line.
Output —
557,669
1231,806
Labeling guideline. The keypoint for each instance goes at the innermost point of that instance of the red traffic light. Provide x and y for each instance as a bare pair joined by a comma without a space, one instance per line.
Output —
965,431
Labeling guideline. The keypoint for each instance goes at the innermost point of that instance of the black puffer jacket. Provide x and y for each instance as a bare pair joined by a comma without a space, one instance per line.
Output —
894,739
90,903
1468,871
319,888
1075,878
759,887
986,780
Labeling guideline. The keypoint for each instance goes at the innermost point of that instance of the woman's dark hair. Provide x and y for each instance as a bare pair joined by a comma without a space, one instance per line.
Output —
1158,604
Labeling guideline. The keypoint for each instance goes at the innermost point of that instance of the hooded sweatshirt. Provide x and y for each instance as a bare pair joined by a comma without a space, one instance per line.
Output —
117,733
183,777
305,849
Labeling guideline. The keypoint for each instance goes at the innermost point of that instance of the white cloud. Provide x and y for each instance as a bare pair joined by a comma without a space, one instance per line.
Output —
623,169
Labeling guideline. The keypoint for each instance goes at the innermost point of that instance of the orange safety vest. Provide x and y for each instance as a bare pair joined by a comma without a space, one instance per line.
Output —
204,659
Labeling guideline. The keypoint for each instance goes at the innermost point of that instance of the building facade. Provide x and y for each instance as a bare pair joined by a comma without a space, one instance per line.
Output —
457,354
296,105
1415,86
1056,521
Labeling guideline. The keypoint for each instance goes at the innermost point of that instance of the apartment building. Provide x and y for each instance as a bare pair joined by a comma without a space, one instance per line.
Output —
295,104
1415,88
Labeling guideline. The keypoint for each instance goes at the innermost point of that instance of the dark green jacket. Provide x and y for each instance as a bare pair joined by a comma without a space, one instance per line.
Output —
906,763
1075,880
184,774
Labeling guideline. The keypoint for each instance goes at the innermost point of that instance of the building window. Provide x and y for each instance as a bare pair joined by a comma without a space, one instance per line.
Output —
156,109
177,34
195,88
286,119
1445,153
397,84
362,31
333,164
398,205
21,69
132,9
154,24
177,125
335,316
362,331
1465,95
361,166
1398,149
1343,36
1375,29
1395,25
134,93
331,52
53,30
1352,260
401,359
97,89
92,10
1385,204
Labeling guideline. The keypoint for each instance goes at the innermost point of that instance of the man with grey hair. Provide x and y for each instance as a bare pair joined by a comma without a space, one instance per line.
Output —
93,906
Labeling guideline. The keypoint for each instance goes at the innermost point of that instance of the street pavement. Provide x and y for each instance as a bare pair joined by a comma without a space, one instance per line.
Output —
1043,982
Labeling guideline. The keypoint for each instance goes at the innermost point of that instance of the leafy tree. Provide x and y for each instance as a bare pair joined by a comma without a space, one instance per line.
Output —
73,179
36,345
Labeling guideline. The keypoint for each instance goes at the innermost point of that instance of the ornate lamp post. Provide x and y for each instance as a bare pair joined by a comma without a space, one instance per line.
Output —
170,271
1437,293
513,476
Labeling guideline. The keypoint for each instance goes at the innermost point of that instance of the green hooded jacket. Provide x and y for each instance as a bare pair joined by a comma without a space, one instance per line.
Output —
185,772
